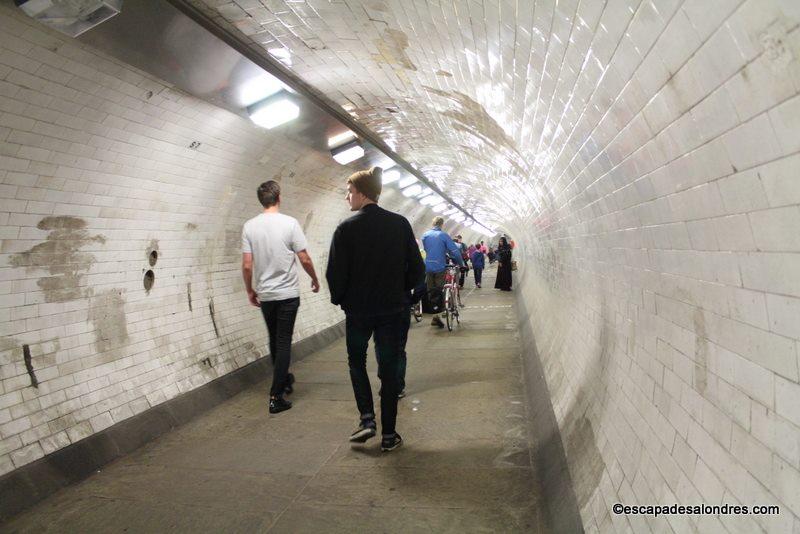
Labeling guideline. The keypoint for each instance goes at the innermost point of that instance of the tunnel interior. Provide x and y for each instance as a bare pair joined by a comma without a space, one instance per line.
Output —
643,155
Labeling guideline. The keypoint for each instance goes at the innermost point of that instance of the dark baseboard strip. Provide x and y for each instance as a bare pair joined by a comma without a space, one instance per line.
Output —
31,483
561,513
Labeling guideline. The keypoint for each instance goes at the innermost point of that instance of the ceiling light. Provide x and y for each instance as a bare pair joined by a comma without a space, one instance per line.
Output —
273,111
347,153
258,88
440,207
459,218
450,211
385,163
341,138
390,176
412,191
431,200
408,180
425,192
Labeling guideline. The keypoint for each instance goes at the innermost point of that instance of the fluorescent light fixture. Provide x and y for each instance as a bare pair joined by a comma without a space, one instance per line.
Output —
341,138
390,176
425,192
412,191
259,88
431,200
440,207
385,163
459,218
273,111
450,211
408,180
348,153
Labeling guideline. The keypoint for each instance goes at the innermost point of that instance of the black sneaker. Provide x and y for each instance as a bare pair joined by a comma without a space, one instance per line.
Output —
288,389
401,394
279,405
391,443
366,429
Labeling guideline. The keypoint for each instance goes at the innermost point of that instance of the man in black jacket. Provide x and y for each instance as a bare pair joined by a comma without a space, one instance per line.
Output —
373,264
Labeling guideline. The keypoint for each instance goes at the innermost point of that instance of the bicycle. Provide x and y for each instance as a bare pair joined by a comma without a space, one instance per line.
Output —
452,296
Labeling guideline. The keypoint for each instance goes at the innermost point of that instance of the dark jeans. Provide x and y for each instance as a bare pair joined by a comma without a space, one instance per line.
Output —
401,357
387,330
279,316
462,275
435,284
478,272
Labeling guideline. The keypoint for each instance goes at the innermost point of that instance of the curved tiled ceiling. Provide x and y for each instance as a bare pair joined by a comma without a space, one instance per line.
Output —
494,101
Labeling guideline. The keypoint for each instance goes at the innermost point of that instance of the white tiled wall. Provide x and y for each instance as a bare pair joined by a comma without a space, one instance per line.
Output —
645,156
663,273
95,172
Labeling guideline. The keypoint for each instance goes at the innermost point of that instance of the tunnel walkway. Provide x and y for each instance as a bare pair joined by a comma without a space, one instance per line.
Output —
464,465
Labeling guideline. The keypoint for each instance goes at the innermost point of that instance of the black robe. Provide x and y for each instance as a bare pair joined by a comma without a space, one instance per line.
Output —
503,280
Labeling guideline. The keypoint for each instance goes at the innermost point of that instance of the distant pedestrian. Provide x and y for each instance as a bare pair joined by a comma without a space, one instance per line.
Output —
462,272
270,242
373,265
477,265
503,280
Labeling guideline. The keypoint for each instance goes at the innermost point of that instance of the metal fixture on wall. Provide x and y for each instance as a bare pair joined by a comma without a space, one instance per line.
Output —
71,17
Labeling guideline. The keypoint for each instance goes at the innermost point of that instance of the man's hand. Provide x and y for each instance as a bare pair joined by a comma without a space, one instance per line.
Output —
253,298
315,285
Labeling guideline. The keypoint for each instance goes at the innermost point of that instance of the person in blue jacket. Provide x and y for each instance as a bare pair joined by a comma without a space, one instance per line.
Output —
438,247
477,264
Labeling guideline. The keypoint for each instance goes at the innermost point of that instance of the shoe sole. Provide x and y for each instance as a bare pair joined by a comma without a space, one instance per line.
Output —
279,410
393,447
363,436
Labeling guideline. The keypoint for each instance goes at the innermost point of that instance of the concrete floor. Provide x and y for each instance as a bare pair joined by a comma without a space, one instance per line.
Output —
464,465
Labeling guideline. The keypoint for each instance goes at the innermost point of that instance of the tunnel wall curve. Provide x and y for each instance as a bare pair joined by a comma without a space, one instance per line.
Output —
659,280
110,177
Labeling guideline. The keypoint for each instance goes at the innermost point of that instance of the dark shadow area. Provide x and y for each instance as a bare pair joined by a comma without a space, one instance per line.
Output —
559,503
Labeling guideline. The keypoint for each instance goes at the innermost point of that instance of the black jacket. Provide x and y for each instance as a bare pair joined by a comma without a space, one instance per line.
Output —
373,263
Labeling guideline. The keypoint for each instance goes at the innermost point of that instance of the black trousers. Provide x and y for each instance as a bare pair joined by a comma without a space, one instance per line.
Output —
401,356
279,316
387,330
478,271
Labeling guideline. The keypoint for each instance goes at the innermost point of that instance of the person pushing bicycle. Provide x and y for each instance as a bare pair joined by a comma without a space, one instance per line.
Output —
438,247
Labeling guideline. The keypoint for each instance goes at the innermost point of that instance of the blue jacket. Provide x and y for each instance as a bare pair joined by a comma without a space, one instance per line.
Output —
477,260
438,246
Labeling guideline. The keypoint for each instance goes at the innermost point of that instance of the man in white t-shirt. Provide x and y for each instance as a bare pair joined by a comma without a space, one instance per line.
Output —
270,242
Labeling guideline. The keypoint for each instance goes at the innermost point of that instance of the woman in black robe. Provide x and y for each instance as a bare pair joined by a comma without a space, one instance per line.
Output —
503,280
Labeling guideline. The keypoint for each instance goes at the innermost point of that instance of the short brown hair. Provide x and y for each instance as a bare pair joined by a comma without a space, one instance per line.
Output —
269,193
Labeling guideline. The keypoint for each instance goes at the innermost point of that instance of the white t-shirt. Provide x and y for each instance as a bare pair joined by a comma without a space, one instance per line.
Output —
274,239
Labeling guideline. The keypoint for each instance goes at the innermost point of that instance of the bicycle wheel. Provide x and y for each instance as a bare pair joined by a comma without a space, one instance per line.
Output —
448,308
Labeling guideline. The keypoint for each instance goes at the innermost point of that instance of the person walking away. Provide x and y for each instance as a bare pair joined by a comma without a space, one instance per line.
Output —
465,257
503,280
270,242
373,264
438,247
478,264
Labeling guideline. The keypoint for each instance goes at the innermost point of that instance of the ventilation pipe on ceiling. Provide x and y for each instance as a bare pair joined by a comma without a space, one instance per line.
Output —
70,17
